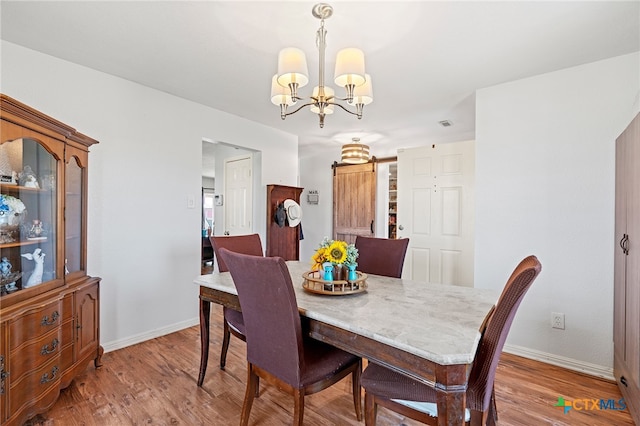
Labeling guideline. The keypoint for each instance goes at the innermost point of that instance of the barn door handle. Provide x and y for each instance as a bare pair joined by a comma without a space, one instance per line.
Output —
372,227
624,244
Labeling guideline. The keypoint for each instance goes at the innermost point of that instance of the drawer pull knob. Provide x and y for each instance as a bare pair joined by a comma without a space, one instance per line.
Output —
45,349
54,318
45,377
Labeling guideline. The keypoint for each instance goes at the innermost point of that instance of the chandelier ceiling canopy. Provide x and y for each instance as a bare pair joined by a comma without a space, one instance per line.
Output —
349,73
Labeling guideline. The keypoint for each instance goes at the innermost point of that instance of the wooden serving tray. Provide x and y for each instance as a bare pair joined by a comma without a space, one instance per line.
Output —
313,284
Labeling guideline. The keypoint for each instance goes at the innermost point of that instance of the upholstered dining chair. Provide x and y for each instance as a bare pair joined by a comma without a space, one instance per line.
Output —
233,321
418,401
278,351
381,256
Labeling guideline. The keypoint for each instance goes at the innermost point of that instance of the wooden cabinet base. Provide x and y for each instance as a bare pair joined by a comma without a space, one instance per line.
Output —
46,360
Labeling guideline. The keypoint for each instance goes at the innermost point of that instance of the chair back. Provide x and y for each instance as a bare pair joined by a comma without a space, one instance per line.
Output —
381,256
270,311
495,334
246,244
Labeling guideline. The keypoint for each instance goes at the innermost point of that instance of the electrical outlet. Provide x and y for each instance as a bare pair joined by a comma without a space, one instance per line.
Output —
557,320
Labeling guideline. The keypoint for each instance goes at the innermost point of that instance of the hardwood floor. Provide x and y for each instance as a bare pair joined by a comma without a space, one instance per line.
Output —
155,383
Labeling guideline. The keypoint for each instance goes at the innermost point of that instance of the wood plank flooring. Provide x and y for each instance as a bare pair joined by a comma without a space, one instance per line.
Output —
155,383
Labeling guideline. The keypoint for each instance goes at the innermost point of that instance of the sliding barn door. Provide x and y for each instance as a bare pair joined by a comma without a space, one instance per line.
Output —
354,201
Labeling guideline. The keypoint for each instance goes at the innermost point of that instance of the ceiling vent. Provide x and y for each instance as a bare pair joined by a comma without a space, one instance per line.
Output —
445,123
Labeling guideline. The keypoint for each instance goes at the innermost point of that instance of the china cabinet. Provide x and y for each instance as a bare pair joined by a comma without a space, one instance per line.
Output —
49,306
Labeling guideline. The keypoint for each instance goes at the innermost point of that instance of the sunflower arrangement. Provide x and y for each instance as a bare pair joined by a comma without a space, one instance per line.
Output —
337,252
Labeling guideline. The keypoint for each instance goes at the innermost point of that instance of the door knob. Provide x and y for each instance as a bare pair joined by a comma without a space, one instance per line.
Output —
400,227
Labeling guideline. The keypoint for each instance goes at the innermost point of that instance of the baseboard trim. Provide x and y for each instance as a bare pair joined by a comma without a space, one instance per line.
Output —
139,338
560,361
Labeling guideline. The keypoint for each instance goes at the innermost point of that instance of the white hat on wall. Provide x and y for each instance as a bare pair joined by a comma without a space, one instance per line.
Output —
294,212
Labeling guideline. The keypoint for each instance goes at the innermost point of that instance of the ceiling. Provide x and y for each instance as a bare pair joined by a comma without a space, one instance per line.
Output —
426,58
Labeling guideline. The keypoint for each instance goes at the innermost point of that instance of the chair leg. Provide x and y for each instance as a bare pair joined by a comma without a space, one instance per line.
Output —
370,409
252,387
357,391
226,336
493,402
298,406
492,419
479,418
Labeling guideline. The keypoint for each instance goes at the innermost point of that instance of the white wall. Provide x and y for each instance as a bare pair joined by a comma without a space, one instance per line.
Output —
317,220
143,240
545,186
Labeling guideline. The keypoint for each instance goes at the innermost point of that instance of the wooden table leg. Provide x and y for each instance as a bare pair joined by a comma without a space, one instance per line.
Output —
205,311
451,390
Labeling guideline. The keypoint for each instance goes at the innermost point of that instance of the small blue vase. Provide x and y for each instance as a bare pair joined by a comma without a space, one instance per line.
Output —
352,272
328,271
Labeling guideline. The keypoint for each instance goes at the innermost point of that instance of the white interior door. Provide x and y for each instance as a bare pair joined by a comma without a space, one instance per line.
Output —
238,192
436,212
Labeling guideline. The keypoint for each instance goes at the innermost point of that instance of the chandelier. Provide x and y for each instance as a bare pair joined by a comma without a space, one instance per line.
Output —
349,73
355,153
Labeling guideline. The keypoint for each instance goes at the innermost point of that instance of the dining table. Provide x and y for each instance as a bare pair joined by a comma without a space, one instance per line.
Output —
429,332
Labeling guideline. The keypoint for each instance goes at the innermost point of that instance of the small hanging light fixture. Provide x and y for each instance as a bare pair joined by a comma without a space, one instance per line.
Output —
355,153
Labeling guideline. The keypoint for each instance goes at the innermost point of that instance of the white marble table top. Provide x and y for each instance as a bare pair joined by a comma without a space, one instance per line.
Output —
437,322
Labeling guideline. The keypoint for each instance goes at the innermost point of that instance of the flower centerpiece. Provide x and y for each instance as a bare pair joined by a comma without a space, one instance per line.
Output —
12,211
337,253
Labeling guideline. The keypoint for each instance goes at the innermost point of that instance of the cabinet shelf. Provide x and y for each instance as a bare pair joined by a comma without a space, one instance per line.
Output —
17,189
22,243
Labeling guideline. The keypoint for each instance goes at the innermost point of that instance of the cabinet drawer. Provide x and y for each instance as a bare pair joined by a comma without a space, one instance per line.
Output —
35,354
34,323
34,385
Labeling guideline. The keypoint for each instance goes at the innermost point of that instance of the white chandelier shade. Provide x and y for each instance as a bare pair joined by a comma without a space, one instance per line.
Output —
350,67
329,93
363,94
279,94
292,67
349,73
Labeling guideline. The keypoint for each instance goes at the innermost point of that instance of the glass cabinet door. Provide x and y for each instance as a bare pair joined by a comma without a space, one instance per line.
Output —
74,205
29,219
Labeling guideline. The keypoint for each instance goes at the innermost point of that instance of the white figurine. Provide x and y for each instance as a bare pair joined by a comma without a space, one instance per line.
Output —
28,178
31,182
36,275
